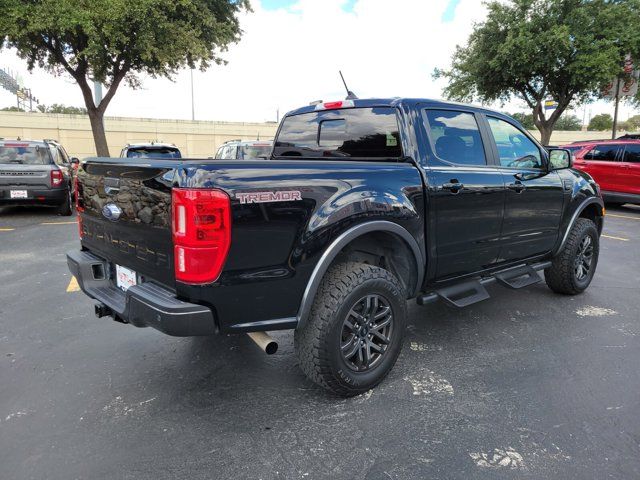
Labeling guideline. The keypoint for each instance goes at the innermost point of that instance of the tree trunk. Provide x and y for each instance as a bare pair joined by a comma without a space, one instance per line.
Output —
545,134
97,127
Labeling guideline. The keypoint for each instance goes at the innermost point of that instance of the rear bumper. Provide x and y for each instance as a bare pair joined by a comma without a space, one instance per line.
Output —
144,305
38,196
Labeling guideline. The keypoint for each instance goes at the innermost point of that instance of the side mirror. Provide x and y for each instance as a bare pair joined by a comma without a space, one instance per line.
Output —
559,158
75,160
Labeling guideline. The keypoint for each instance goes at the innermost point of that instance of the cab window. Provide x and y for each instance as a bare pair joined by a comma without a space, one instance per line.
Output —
515,149
455,137
604,153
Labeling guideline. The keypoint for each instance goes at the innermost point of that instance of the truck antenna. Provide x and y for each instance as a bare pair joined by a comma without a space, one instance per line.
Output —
350,94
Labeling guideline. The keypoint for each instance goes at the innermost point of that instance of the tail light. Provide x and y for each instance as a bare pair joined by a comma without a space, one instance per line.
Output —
56,178
201,233
79,204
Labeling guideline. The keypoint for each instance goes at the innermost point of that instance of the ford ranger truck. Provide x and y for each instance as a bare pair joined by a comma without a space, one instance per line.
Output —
362,205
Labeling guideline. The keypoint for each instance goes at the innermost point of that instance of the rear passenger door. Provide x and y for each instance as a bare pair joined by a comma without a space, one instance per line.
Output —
466,192
534,197
630,171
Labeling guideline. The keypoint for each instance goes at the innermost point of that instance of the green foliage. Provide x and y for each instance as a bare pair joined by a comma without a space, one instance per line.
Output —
525,119
59,108
632,124
568,123
600,122
12,109
117,40
539,49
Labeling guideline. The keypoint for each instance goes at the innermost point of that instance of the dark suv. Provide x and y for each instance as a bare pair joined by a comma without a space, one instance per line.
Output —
36,173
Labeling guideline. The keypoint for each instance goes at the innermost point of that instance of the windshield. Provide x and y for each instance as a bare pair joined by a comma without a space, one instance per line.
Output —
24,154
153,152
573,149
255,151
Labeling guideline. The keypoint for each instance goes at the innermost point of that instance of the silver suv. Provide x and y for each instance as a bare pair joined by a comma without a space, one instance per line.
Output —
239,150
36,172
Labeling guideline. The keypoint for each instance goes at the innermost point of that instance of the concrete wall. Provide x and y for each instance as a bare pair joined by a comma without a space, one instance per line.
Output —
195,139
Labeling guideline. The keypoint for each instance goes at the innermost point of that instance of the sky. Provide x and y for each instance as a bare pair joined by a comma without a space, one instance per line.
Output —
290,55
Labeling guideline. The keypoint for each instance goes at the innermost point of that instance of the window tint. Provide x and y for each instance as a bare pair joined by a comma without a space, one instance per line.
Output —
15,153
344,133
632,154
153,152
455,137
603,153
515,149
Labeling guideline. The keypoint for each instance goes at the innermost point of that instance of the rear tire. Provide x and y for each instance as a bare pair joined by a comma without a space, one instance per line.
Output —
355,329
66,209
573,268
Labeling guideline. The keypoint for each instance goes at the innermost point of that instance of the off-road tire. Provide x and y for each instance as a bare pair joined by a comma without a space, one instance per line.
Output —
66,209
318,342
561,276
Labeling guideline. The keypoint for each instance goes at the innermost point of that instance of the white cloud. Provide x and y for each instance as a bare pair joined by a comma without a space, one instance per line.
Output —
289,57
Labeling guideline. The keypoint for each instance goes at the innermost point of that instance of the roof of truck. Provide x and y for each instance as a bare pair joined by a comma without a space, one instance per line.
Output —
396,102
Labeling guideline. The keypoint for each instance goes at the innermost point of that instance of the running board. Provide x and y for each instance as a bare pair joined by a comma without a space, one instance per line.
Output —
472,291
518,277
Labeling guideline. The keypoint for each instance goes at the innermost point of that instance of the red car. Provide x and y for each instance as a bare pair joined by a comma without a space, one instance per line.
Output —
614,164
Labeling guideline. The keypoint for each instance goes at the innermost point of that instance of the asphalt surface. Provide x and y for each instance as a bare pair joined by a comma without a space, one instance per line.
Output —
527,385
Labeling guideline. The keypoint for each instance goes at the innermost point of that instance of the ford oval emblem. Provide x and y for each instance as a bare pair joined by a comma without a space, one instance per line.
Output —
111,212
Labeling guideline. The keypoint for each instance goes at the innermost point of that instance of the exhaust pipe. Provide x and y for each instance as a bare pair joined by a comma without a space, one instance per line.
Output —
264,341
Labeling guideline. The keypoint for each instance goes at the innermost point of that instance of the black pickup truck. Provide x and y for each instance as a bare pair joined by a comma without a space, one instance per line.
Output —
363,205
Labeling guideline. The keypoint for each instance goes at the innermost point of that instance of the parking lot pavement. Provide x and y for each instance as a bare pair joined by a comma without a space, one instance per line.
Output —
525,385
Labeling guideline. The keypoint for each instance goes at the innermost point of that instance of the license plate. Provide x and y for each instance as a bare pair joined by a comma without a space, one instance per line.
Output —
125,278
18,194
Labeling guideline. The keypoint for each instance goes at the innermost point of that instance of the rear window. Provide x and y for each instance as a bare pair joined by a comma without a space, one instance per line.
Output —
24,154
254,151
155,152
347,133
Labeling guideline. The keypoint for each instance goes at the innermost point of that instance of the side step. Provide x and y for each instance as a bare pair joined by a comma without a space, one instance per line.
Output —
518,277
472,291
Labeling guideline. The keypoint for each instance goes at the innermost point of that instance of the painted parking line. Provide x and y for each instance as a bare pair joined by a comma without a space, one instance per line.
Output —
615,238
2,229
622,216
58,223
73,285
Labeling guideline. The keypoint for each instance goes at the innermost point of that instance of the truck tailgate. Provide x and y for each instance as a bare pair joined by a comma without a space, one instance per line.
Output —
125,211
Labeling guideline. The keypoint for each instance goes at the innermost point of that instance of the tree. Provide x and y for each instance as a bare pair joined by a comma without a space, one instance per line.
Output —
111,41
525,119
569,123
59,108
632,124
600,122
12,109
540,49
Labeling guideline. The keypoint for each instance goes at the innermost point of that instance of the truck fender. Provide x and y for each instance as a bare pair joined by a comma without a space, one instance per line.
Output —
576,214
342,241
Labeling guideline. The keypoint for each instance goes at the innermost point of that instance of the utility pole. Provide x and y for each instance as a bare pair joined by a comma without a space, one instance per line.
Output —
615,113
193,108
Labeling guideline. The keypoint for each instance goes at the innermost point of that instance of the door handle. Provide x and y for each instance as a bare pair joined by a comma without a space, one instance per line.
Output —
518,187
453,186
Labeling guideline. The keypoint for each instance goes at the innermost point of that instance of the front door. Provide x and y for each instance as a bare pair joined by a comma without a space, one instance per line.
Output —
467,193
534,197
602,162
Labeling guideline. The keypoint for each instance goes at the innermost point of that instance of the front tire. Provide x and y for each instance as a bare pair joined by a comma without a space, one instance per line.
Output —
354,333
573,268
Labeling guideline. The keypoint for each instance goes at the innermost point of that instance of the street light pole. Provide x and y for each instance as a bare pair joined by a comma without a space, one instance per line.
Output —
615,113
